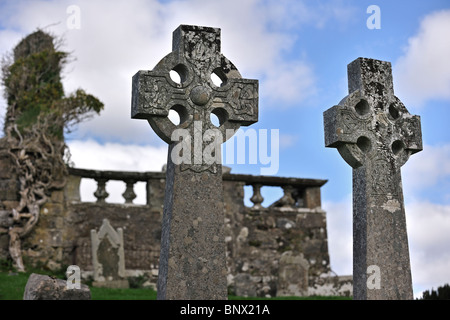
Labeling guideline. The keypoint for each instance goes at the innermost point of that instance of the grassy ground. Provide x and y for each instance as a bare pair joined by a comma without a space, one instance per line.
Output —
12,285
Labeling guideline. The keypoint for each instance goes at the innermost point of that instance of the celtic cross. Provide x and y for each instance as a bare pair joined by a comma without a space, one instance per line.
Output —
375,134
196,58
192,261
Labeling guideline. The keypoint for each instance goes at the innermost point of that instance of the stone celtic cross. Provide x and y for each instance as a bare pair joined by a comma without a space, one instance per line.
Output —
192,261
375,134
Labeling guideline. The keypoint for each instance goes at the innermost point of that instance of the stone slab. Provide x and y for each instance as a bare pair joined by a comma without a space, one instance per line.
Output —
43,287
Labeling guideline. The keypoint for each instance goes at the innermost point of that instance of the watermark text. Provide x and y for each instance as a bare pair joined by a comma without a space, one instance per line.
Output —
73,274
374,20
242,147
74,19
374,277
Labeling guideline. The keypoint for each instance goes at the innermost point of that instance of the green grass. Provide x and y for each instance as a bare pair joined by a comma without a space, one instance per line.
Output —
291,298
12,286
122,294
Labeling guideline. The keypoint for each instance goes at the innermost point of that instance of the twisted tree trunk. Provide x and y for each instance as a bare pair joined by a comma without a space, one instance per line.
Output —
41,169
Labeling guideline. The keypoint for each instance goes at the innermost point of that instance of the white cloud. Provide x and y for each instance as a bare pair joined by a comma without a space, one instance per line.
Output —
114,156
118,38
340,237
428,226
426,170
288,83
423,72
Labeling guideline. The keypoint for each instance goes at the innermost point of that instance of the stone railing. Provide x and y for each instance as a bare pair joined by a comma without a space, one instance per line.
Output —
102,177
297,193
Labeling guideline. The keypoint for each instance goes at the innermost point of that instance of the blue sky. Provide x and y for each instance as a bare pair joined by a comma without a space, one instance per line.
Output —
299,51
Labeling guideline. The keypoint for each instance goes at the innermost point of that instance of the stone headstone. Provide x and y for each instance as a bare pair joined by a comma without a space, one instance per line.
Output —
43,287
375,134
108,257
292,275
192,260
244,285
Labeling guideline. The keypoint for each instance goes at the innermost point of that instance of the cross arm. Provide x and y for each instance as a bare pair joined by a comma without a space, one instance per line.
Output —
239,98
149,95
341,124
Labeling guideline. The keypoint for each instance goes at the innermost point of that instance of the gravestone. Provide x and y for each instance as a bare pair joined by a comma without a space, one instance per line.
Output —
108,257
192,260
375,134
44,287
292,275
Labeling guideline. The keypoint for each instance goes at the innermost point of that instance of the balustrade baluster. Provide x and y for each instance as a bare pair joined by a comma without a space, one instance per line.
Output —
287,200
257,198
129,194
101,193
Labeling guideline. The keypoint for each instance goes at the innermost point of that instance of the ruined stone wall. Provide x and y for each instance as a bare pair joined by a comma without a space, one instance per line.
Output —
276,250
9,195
270,251
62,236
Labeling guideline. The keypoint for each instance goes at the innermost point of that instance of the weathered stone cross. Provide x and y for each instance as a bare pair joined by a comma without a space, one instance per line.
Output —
375,134
192,261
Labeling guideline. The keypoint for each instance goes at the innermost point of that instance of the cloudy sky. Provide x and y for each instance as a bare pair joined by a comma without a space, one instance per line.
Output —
299,51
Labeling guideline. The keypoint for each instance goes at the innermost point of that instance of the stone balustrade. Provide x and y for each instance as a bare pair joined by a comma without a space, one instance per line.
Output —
102,177
297,192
